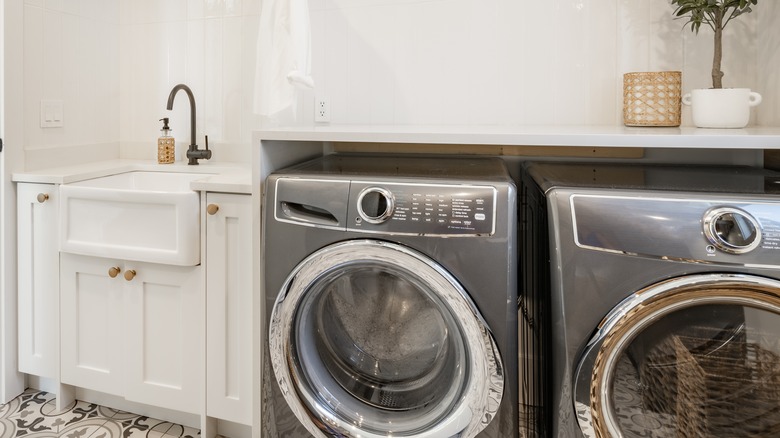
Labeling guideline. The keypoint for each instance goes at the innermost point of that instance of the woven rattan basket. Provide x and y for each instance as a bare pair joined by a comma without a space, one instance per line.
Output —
652,98
732,391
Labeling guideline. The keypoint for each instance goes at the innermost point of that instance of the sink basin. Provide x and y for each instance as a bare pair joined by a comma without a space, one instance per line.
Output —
142,216
144,181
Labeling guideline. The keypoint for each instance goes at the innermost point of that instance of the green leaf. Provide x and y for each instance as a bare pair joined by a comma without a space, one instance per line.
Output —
707,12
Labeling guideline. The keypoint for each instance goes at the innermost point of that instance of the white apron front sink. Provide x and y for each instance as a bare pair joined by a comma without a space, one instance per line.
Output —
143,216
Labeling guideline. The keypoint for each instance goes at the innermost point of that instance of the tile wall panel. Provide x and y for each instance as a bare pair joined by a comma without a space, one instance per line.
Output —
71,54
768,63
34,59
509,62
496,61
377,62
207,44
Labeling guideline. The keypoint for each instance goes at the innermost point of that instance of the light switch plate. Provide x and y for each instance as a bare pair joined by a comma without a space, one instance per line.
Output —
51,114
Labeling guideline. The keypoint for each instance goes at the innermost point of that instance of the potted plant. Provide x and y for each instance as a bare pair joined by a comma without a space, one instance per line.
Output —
717,107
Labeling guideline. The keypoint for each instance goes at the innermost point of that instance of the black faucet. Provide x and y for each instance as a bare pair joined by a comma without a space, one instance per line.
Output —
193,153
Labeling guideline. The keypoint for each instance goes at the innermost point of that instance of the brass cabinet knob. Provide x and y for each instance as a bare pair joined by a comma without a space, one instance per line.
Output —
42,197
114,271
129,274
212,209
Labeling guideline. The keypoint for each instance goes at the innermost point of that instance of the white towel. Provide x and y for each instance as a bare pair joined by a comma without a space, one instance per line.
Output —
283,55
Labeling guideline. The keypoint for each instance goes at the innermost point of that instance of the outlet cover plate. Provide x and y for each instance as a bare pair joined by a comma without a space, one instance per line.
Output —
321,109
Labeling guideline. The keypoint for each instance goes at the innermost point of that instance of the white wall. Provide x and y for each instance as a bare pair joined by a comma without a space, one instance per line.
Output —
768,64
11,381
208,45
113,63
519,62
71,54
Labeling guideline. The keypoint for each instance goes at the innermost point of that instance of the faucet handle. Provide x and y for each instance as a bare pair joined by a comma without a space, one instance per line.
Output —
207,152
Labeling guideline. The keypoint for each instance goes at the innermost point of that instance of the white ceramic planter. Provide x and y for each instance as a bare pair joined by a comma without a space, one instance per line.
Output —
721,108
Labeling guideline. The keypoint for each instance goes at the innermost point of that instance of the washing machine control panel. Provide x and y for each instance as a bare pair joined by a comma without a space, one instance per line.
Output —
429,209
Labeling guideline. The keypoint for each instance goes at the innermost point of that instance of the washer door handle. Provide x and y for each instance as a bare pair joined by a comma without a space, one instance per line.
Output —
308,214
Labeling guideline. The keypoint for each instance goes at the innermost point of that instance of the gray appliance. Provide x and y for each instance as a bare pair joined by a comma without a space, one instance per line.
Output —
391,298
654,302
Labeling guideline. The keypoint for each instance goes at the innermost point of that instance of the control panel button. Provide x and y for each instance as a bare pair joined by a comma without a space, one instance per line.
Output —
375,205
732,230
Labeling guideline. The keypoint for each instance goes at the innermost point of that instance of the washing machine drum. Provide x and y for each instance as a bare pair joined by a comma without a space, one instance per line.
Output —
372,339
691,356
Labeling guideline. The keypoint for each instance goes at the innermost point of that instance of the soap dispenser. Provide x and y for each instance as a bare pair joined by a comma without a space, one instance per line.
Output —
166,145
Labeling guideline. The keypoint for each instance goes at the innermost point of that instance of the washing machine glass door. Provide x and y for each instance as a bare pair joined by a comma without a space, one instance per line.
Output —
373,339
692,356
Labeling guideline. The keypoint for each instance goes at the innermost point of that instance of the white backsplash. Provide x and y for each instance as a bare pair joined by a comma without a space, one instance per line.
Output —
208,45
768,63
71,54
113,63
518,62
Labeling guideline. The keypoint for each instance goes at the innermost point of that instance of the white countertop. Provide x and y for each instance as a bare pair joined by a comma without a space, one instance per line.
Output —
217,177
553,135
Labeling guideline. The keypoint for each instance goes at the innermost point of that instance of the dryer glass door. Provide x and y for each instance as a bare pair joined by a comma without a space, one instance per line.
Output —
371,339
694,356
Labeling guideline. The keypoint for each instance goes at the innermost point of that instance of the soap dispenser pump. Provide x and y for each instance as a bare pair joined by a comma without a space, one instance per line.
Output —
166,145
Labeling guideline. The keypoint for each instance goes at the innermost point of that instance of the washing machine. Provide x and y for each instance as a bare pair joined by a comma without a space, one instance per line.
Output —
391,298
657,301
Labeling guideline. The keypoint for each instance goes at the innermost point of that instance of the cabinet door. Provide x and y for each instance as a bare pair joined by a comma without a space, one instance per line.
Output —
229,304
164,330
38,277
91,323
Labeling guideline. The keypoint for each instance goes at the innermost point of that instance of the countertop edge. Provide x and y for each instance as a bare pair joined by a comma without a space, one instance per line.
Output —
218,177
754,137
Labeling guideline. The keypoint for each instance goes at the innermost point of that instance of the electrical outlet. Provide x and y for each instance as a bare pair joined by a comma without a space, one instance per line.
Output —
321,109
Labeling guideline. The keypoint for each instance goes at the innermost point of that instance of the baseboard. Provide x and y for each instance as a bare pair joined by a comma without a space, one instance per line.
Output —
233,430
112,401
42,384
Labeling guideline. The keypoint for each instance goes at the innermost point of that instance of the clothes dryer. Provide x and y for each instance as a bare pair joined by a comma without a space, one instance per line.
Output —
660,304
391,289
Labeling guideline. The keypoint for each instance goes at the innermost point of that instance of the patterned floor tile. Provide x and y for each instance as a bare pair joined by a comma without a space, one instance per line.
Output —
33,415
144,427
177,430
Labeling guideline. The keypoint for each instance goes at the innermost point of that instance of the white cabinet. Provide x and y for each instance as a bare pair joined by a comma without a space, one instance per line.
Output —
92,324
138,334
38,279
229,307
164,332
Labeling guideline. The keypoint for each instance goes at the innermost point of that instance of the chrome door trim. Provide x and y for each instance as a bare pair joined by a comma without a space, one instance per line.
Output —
709,224
382,217
638,311
482,397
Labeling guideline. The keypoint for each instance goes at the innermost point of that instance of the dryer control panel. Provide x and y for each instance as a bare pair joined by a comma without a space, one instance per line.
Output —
713,228
732,230
421,209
